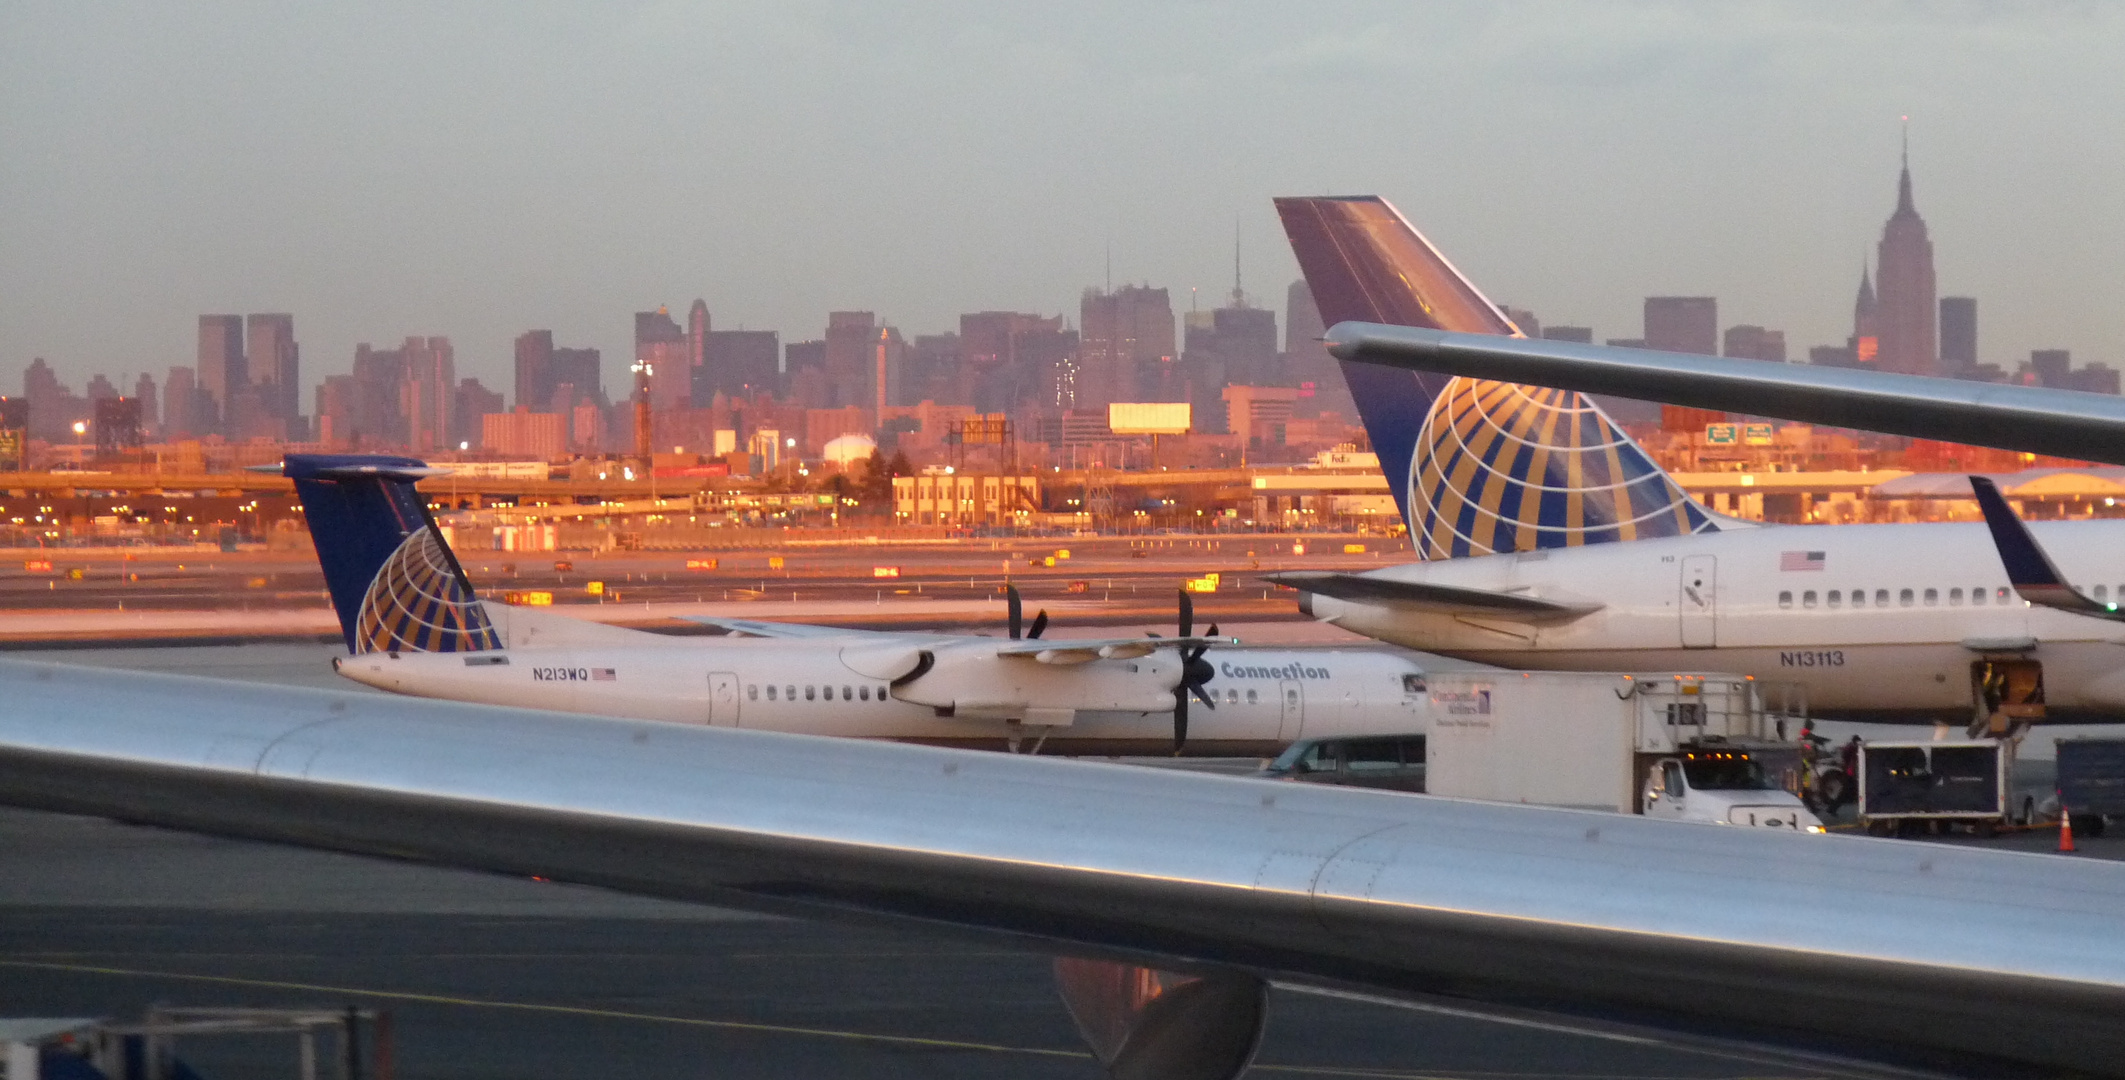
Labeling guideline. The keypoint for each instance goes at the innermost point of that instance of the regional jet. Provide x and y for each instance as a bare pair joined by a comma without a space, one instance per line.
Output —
1549,539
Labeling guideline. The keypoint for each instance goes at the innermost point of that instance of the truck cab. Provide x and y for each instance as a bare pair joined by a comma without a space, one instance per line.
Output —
1722,785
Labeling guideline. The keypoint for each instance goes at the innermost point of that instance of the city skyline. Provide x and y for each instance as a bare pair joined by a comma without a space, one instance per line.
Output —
405,170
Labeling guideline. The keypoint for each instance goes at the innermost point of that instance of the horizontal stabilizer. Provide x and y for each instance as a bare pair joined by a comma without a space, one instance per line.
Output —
1068,651
2032,572
1447,599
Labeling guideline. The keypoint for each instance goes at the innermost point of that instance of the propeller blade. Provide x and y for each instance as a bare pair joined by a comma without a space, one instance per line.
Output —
1212,632
1040,623
1017,609
1187,613
1180,720
1208,701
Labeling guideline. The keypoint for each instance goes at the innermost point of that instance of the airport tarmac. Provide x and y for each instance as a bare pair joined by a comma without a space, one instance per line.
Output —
488,976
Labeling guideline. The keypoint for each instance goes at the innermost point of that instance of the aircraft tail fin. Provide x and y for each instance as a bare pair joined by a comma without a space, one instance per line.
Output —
395,583
1476,466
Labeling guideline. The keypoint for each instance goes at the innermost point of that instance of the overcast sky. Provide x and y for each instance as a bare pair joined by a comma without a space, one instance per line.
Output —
476,170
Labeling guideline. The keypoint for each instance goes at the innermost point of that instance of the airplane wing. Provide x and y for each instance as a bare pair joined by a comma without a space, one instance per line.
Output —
758,628
2069,423
1956,958
1446,599
2029,569
1086,650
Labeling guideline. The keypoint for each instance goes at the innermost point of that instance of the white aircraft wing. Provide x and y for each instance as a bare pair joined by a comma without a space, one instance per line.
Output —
2036,419
758,628
1917,953
1086,650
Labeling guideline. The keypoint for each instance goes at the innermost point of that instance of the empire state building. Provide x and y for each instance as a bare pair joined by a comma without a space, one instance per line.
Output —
1904,300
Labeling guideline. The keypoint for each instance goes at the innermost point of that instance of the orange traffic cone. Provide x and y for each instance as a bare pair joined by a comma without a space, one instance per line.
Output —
2065,828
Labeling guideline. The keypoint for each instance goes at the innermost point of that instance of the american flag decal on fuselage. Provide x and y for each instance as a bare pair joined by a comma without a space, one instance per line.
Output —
1801,560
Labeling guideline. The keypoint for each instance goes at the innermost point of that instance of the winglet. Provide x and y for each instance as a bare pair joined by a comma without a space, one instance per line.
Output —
2032,572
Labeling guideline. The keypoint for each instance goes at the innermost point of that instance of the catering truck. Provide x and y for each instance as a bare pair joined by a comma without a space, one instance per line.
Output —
1689,747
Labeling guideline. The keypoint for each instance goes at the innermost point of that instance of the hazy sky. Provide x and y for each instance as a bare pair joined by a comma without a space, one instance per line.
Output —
475,170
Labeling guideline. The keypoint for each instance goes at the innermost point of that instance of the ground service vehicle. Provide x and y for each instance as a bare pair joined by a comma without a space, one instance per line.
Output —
1905,787
1394,762
2092,781
1702,745
1696,747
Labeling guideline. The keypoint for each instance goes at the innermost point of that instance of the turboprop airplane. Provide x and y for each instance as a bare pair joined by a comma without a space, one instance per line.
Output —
414,624
1550,539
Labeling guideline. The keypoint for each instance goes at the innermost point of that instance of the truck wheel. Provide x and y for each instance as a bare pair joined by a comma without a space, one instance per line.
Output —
2094,826
1832,790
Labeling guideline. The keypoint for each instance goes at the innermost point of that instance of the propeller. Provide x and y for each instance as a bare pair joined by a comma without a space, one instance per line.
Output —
1195,671
1017,616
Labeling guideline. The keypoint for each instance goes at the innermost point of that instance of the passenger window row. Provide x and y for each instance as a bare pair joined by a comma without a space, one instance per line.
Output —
1232,697
812,693
1837,598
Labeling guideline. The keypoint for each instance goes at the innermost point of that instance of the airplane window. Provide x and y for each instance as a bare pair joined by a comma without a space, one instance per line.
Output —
1291,697
1251,698
1412,684
1933,596
1785,599
770,693
1807,599
789,692
2101,593
752,693
2001,594
808,692
1859,598
848,693
1833,598
1955,596
1903,597
863,693
1232,697
1977,596
1881,598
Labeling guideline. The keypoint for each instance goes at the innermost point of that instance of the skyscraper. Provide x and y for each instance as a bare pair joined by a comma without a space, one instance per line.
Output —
1687,324
1866,346
660,344
1755,343
274,363
737,363
697,336
1905,310
534,370
1124,333
851,357
221,365
1958,334
428,394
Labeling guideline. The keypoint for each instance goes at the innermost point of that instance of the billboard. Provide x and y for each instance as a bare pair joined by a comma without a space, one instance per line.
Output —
1148,418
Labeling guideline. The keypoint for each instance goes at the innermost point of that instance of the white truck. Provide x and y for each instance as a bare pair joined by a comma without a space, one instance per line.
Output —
1689,747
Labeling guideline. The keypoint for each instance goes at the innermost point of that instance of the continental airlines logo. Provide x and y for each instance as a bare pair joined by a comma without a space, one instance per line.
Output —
417,604
1504,467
